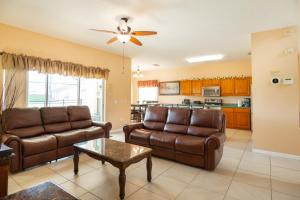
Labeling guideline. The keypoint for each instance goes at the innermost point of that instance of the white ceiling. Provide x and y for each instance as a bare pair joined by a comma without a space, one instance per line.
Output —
185,27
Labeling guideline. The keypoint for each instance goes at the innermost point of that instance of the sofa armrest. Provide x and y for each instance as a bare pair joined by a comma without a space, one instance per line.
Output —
215,140
105,125
128,128
214,150
15,143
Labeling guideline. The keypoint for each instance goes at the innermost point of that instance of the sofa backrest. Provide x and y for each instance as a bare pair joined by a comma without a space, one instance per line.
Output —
178,120
22,122
80,116
55,119
155,118
205,122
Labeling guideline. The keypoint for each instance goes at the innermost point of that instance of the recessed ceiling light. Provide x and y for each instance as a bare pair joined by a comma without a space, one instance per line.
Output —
205,58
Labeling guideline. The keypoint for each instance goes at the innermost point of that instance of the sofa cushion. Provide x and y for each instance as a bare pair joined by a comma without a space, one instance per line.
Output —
69,138
175,128
81,124
140,136
156,114
79,113
93,132
190,144
52,115
39,144
162,139
27,132
178,116
206,118
55,119
22,118
159,126
80,116
201,131
57,127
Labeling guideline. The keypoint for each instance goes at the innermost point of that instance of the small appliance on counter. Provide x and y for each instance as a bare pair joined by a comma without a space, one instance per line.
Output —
246,102
197,102
186,101
212,104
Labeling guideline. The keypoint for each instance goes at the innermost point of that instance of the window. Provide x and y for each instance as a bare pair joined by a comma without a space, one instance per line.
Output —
57,90
148,94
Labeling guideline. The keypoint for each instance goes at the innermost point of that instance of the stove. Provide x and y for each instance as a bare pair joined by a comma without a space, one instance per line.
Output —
213,104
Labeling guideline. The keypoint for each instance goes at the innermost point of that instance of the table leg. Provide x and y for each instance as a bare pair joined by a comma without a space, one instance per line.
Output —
122,180
149,168
103,162
75,161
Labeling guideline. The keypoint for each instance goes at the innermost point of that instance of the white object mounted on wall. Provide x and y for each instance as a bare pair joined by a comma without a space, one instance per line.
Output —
288,81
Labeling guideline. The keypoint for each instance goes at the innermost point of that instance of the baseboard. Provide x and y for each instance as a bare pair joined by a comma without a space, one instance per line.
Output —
116,130
276,154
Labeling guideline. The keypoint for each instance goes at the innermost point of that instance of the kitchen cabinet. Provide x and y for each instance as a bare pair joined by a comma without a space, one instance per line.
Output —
242,86
197,87
242,118
229,114
185,87
238,118
210,82
227,87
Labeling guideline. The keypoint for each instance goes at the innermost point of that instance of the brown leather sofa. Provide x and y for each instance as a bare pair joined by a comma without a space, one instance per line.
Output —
191,136
41,135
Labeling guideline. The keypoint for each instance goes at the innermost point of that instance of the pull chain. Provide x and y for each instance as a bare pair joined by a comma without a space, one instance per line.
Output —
123,69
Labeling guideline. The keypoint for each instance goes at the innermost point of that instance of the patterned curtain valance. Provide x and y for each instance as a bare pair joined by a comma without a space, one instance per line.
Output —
148,83
23,62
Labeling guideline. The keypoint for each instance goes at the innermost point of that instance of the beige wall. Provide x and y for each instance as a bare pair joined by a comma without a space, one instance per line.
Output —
205,70
275,108
117,107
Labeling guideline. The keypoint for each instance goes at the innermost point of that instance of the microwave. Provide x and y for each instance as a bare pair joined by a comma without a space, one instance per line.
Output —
213,91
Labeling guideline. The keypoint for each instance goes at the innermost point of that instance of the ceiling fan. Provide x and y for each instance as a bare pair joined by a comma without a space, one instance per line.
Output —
125,34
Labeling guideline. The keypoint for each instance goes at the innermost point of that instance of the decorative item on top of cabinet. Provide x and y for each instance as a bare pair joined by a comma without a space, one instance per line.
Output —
242,86
185,87
197,87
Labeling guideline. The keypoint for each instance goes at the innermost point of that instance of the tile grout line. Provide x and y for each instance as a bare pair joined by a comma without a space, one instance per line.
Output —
244,150
142,187
271,177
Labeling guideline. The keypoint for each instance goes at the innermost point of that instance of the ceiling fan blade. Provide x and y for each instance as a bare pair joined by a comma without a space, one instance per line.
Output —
135,41
112,40
143,33
104,31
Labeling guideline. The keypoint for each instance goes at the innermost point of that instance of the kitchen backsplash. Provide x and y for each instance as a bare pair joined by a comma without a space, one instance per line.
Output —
177,99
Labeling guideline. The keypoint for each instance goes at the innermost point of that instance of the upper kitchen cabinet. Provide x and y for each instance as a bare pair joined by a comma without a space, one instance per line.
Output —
242,86
227,87
210,82
197,87
186,87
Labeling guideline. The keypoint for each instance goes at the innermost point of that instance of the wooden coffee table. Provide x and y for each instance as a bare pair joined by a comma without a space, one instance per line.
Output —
119,154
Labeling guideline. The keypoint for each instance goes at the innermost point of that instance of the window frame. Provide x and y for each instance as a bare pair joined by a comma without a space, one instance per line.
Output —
46,104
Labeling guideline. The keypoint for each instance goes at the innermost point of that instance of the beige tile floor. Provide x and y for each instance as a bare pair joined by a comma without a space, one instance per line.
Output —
241,175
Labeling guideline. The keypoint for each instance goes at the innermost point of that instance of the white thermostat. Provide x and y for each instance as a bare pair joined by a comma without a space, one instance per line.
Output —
288,81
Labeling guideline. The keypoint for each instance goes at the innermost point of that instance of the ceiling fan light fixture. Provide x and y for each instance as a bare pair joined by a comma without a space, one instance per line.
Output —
205,58
123,38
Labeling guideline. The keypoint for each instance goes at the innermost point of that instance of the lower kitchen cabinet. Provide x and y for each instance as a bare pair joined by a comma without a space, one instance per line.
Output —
238,118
